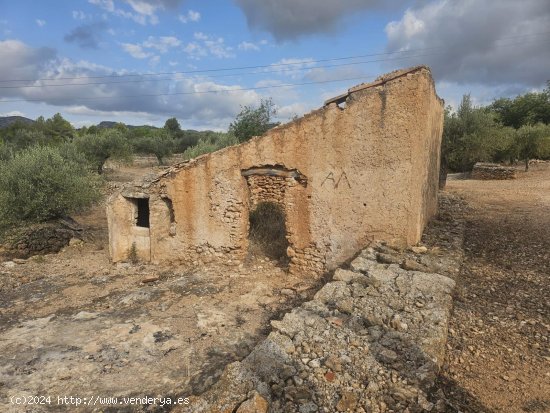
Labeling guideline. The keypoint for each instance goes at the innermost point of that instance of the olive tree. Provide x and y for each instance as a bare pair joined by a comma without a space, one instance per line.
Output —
98,147
254,121
42,183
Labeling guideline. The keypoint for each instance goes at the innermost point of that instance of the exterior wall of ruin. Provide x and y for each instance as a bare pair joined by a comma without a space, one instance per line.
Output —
123,231
368,170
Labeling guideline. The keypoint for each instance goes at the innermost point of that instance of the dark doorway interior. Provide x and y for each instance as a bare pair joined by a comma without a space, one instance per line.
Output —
268,231
142,219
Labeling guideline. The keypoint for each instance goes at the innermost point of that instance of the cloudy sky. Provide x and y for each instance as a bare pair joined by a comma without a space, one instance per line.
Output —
142,61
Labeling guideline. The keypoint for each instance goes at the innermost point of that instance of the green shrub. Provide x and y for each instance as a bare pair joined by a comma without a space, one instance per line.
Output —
133,255
39,183
254,121
159,143
98,147
213,143
531,141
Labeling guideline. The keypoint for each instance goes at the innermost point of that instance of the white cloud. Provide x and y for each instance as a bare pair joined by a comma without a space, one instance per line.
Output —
191,16
217,48
291,67
149,7
135,50
107,5
79,15
162,43
206,45
287,112
144,11
20,61
489,43
40,23
200,36
142,7
194,16
146,49
189,101
154,61
247,46
195,51
13,113
320,74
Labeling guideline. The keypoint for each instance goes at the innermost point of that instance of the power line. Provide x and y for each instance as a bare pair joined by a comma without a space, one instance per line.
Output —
201,91
255,66
215,70
224,75
236,89
303,68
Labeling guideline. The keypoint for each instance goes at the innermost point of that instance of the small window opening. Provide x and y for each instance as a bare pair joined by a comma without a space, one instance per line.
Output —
170,207
341,105
142,219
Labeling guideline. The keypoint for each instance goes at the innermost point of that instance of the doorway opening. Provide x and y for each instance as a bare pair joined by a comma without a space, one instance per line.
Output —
142,212
267,233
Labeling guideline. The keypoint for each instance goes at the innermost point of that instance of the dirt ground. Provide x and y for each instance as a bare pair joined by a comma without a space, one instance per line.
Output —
73,324
498,352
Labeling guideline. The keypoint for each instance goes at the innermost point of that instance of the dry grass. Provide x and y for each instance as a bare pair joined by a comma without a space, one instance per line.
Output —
268,231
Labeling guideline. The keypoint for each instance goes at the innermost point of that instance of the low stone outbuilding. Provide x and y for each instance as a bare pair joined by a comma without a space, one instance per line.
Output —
492,171
364,166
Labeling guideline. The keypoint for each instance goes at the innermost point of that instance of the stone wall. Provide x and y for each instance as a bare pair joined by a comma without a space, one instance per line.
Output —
371,340
489,171
265,188
141,161
353,174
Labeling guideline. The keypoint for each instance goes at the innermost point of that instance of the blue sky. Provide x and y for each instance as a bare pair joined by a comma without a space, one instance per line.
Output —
74,57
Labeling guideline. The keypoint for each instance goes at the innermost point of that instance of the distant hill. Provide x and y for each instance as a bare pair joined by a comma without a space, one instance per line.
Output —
6,121
107,124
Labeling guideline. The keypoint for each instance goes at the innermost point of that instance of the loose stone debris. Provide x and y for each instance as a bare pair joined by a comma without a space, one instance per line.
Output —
371,340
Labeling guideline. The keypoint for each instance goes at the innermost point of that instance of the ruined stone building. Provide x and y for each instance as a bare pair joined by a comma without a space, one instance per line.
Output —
363,167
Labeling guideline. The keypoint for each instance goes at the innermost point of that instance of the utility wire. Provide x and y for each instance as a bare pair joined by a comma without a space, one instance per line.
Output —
223,75
215,70
201,91
214,90
255,66
303,68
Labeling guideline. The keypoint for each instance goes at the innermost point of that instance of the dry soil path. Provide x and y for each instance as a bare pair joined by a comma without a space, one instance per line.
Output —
498,355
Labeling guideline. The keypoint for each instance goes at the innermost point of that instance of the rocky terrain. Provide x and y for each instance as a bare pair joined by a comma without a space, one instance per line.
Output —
73,324
252,338
372,340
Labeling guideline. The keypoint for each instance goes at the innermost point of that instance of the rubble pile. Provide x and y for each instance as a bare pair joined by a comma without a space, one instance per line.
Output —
371,340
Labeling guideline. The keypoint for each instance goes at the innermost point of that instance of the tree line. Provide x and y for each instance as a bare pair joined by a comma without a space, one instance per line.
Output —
49,169
507,130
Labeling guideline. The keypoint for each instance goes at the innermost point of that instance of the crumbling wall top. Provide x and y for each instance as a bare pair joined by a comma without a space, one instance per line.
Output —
379,81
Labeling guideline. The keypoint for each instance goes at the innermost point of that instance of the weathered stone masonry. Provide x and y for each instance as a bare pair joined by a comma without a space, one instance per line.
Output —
343,176
488,171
